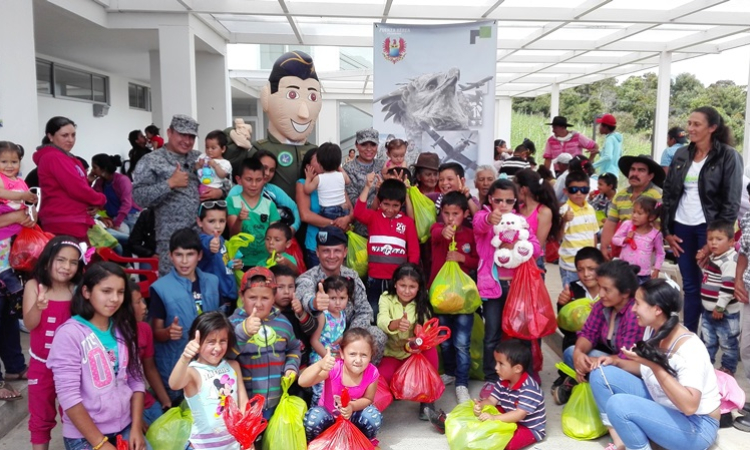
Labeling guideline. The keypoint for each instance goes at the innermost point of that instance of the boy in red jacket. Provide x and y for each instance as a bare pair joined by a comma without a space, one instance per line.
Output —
454,209
392,236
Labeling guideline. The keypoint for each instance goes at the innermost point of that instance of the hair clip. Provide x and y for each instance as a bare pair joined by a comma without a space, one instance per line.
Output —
502,176
541,181
83,248
674,314
658,204
672,284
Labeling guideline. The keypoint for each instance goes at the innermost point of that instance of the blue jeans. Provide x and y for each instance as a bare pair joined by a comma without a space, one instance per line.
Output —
625,404
152,413
693,239
456,357
724,333
492,310
375,288
568,355
333,212
318,419
568,277
83,444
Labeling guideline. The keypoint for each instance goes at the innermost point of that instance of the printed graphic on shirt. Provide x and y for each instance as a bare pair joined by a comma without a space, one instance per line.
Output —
285,159
224,388
265,337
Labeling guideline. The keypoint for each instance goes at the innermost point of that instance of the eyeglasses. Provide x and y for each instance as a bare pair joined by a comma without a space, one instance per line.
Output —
577,189
211,204
507,201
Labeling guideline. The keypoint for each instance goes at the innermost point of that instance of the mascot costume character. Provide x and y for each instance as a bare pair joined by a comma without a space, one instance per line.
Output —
292,102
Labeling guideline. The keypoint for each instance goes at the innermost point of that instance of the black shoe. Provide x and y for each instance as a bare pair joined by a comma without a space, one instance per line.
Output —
746,408
559,381
561,393
436,418
726,420
423,411
742,423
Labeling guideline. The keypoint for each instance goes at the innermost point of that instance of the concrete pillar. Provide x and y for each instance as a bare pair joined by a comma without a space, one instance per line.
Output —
503,112
177,72
554,106
746,140
213,92
327,128
156,106
19,114
661,119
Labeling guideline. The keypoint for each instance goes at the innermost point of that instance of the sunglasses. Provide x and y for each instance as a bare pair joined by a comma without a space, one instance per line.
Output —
212,204
577,189
507,201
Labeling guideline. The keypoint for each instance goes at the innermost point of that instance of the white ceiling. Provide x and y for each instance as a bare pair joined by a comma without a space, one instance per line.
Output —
540,42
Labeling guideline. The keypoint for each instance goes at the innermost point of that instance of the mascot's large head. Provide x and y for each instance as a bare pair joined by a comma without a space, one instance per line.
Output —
292,97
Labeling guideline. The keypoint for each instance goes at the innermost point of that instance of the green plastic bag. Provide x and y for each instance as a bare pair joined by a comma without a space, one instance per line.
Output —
464,431
476,349
356,255
580,416
573,315
286,425
425,213
99,238
171,431
453,291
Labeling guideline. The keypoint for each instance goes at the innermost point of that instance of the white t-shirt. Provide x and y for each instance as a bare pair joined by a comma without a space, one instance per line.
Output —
694,370
217,182
331,189
689,210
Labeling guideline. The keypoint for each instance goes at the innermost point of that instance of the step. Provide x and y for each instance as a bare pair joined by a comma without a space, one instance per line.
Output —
13,412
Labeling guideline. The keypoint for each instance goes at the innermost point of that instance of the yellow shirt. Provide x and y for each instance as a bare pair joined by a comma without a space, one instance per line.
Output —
578,233
391,309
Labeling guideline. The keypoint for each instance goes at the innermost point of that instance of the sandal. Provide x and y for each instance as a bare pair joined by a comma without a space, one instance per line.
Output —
6,389
18,376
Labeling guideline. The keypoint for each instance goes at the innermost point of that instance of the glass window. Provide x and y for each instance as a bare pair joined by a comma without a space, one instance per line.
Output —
139,97
269,54
72,83
100,88
44,77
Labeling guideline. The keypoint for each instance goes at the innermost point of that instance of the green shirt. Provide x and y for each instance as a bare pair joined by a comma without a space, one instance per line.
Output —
288,161
107,338
263,214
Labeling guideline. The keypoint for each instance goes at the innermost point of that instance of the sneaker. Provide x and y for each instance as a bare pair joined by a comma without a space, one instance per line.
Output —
436,418
558,382
486,390
561,394
447,379
462,394
424,409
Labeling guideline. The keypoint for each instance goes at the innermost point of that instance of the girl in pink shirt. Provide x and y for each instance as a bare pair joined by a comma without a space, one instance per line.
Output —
640,240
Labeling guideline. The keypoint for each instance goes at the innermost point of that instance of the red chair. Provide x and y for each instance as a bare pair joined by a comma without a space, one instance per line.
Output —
152,274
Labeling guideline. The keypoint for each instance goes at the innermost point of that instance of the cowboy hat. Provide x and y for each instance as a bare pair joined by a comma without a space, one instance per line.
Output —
560,121
653,167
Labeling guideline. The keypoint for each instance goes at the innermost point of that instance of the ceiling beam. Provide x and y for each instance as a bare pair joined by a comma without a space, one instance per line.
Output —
292,23
386,10
492,8
693,7
589,6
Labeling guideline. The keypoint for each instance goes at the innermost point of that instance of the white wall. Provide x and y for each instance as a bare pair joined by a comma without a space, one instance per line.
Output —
108,134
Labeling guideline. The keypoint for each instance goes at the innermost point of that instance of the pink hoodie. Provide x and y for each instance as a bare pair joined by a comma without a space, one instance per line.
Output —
483,233
66,194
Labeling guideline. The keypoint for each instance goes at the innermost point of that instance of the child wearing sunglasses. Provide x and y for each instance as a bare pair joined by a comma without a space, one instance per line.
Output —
579,224
212,220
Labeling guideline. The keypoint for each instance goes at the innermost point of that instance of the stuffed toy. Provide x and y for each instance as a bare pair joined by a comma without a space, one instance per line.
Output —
512,229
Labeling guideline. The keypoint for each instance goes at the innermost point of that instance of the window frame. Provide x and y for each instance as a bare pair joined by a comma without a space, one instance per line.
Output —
146,93
53,66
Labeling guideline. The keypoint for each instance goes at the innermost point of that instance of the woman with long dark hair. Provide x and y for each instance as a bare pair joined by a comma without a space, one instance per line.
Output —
540,208
309,207
704,183
121,210
666,389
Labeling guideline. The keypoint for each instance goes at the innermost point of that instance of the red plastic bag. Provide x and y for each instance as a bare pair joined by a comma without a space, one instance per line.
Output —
429,335
295,251
342,434
417,380
245,427
528,313
122,444
28,246
383,396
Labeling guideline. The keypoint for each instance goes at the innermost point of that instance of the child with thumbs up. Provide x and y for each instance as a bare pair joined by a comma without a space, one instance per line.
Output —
212,220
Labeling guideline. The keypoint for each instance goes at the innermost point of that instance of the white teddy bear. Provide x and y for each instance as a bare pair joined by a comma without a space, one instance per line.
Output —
512,229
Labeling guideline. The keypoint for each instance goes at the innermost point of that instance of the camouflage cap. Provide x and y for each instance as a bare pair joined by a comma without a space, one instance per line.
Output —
368,135
184,124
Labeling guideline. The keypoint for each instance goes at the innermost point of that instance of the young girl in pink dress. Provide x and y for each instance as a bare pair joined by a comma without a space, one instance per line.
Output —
641,242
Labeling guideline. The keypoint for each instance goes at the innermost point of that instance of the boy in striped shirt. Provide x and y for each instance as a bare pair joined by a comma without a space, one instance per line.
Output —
580,225
518,398
721,310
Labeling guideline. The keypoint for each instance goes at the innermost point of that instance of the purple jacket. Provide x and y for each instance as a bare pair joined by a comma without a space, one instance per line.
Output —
82,374
483,232
124,190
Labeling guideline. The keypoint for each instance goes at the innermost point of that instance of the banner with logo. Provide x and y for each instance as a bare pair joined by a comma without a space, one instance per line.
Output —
434,86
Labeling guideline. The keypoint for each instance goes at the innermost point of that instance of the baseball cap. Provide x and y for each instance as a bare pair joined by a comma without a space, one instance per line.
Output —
331,236
368,135
562,158
607,119
184,124
259,272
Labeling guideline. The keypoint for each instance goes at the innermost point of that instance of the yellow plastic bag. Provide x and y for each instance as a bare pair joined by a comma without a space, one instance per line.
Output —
573,315
580,416
425,213
356,255
99,238
476,349
171,431
453,291
464,431
286,426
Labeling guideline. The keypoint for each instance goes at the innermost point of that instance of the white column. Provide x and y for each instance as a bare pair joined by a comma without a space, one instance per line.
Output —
156,106
503,111
661,119
19,116
177,72
554,105
327,128
213,92
746,140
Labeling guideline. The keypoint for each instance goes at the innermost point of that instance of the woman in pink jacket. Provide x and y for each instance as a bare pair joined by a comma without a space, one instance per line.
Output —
68,202
493,282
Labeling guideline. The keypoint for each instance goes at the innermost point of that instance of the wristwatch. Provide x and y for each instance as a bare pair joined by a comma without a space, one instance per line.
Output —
719,309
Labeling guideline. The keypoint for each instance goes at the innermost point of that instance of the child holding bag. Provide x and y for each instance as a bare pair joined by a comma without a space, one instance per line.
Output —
405,304
355,372
95,364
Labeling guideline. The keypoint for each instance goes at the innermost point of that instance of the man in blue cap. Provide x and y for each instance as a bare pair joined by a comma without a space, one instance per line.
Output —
332,247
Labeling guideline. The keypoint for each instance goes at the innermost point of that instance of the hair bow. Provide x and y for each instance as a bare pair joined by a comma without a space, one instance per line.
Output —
502,176
672,283
83,248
